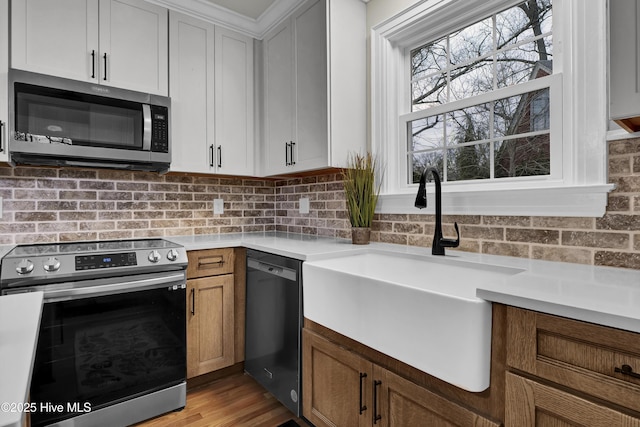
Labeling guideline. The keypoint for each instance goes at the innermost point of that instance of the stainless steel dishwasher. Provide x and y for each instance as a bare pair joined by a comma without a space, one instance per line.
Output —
274,325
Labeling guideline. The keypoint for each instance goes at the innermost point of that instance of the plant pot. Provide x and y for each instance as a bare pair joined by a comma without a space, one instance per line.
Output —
360,235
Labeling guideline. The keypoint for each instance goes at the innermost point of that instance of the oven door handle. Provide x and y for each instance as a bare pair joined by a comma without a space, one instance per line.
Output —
172,282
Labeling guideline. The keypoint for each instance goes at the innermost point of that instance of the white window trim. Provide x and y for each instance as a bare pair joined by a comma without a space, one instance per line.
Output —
581,188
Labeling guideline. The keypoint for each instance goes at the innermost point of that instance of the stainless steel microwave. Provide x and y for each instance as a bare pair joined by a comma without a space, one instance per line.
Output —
62,122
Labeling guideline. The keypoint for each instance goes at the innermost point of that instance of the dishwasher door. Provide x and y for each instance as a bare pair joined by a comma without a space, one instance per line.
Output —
274,325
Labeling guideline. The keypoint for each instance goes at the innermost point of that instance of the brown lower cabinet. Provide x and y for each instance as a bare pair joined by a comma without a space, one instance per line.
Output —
342,388
211,325
564,372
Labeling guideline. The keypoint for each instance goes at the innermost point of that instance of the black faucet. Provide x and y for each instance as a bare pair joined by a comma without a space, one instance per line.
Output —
439,243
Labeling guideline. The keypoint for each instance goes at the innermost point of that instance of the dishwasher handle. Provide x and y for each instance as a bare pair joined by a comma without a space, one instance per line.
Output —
272,269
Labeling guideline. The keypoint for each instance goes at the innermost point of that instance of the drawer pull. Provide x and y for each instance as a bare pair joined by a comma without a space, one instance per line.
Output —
211,262
627,370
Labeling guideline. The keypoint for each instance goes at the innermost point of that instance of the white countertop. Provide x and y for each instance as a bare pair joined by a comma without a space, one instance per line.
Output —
19,323
603,295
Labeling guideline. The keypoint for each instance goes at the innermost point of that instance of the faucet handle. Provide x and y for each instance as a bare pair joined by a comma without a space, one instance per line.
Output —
450,243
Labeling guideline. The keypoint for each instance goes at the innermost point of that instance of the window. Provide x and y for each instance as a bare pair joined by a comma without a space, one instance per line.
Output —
506,98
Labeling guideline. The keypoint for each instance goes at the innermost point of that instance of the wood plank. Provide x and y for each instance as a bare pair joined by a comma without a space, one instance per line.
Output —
236,400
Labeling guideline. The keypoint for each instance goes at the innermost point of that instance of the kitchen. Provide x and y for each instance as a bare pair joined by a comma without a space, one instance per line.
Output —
48,205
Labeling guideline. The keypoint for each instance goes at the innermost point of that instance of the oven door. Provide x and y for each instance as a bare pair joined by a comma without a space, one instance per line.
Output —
108,340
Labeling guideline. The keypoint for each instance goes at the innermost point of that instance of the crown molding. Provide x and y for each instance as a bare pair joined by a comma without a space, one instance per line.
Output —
207,11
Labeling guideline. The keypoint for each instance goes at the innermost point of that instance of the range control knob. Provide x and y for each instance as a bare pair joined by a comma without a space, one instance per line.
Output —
154,256
172,255
25,266
52,264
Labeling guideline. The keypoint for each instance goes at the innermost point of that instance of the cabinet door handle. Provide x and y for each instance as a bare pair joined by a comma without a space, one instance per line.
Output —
362,407
293,145
211,155
376,417
93,64
627,370
193,301
286,154
1,136
105,66
219,156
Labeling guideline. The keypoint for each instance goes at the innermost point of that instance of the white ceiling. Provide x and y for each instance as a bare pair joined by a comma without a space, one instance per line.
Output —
252,9
252,17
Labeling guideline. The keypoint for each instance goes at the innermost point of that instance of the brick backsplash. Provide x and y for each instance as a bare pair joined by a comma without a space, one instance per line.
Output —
613,240
51,204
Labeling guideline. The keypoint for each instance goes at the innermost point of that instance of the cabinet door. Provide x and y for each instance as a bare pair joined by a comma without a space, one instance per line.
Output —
624,66
210,324
336,384
529,403
4,65
399,402
134,38
56,37
234,103
278,99
192,94
311,108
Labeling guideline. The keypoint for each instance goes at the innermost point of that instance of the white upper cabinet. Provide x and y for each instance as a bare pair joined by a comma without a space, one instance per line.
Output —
234,94
624,63
133,46
314,87
121,43
4,66
191,51
278,99
211,88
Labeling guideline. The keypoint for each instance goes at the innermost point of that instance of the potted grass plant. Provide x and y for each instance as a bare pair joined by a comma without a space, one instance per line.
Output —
361,192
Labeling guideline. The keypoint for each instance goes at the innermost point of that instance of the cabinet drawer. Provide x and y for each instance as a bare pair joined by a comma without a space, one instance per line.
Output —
210,262
601,361
530,403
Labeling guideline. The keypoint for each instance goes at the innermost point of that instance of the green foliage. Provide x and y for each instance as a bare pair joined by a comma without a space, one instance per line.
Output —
360,188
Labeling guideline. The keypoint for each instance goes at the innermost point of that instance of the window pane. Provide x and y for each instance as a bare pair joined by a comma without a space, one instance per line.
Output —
523,22
471,42
429,59
524,113
522,157
472,79
469,162
426,133
523,63
428,92
419,161
469,124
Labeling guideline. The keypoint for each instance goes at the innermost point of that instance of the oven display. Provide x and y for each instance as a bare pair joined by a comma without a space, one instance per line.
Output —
91,262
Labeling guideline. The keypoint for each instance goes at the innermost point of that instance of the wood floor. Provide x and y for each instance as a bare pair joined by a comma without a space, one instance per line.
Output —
236,400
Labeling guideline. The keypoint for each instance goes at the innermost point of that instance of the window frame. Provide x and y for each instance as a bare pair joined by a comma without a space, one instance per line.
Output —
577,185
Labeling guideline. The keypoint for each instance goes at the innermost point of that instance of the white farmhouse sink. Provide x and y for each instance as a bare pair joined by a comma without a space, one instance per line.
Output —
421,310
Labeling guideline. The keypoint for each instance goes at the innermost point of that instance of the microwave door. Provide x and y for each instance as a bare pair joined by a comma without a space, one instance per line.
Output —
54,116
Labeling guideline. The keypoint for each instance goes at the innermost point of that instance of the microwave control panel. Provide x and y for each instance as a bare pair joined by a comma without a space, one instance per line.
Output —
159,129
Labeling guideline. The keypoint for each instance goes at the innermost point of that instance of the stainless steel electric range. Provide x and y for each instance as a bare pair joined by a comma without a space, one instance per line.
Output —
112,343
